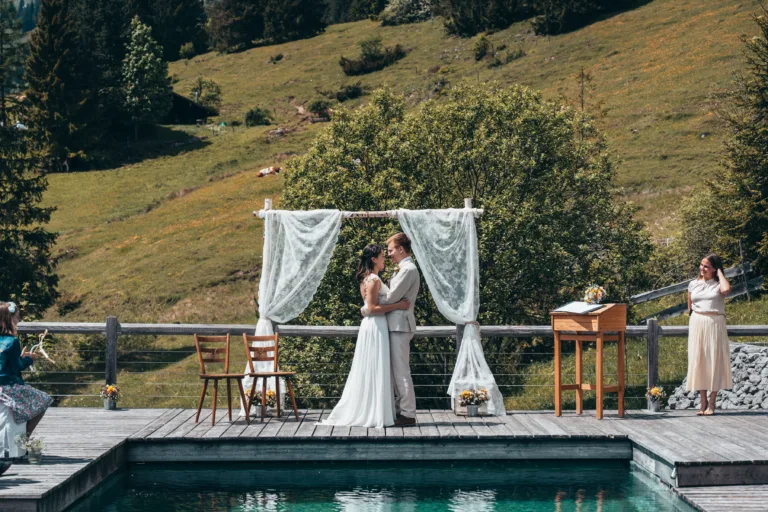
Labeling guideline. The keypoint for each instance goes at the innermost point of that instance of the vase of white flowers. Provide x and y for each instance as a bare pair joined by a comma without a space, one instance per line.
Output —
34,447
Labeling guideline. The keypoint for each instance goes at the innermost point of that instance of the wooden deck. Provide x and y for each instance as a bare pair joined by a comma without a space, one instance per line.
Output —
714,463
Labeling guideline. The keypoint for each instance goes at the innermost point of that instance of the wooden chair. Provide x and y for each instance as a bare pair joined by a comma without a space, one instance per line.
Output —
266,353
207,355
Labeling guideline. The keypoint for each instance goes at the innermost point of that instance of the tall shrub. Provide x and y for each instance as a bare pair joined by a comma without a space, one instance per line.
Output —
551,225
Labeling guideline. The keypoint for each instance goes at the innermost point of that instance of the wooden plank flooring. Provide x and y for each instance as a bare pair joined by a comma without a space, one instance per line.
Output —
729,448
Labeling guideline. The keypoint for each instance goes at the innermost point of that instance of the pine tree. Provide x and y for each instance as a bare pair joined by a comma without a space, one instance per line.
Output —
58,90
233,25
288,20
103,32
11,56
27,274
740,193
173,23
146,85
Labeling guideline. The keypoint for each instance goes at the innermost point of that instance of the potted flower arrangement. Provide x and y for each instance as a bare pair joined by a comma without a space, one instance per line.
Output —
110,394
594,294
34,447
472,399
271,400
654,396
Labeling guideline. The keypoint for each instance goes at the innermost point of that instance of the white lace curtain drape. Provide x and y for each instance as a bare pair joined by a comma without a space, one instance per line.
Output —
298,246
445,245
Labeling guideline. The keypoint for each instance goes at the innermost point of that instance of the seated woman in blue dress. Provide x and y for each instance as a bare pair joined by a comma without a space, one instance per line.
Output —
27,404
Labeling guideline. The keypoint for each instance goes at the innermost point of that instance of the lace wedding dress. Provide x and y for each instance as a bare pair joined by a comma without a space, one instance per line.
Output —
367,400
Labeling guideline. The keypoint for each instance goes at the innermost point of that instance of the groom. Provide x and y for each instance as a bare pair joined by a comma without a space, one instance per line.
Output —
402,326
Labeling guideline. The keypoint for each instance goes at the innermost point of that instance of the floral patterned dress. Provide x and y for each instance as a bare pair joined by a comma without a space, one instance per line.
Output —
24,401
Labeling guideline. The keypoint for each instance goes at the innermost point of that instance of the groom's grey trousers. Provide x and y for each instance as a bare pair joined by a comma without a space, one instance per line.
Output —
399,354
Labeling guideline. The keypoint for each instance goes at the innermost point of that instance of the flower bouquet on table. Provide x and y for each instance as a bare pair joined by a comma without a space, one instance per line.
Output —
110,394
594,294
34,447
654,396
472,399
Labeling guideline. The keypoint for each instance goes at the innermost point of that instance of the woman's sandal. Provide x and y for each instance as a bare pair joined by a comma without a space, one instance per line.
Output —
709,412
700,412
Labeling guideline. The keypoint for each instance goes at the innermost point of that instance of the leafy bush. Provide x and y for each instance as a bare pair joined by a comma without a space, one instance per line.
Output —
552,224
481,48
258,116
206,92
320,108
345,92
515,54
400,12
187,51
373,57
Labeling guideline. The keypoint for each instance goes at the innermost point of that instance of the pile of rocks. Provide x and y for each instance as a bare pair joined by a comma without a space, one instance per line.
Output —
749,366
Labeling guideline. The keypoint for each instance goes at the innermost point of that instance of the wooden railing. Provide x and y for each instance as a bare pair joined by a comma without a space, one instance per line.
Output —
112,329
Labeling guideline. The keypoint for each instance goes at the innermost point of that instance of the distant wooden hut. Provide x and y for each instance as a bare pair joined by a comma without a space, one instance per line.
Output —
187,111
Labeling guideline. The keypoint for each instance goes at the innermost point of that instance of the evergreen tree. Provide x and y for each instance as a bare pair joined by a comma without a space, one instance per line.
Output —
739,196
288,20
11,56
173,23
233,25
58,90
342,11
28,10
27,274
103,31
146,85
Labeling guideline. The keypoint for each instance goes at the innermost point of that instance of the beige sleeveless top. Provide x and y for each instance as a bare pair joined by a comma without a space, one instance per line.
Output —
706,296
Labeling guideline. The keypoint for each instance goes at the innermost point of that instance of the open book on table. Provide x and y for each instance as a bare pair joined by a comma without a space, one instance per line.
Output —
579,307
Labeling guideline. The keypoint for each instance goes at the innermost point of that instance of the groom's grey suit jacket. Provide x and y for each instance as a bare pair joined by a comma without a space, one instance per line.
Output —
404,284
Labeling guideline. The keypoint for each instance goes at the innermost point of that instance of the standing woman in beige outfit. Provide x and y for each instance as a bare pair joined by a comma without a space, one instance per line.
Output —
709,356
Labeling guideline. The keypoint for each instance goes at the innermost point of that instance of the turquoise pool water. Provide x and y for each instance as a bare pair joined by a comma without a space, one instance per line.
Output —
381,487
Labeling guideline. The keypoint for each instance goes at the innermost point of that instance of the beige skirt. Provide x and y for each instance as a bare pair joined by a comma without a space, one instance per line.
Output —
709,355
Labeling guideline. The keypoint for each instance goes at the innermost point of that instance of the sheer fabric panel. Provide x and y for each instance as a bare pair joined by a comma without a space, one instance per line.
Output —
298,246
445,245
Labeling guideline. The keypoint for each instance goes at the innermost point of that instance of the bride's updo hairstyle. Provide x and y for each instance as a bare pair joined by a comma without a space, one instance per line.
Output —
365,265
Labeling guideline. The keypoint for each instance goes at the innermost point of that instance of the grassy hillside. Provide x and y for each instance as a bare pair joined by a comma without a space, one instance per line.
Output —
170,238
653,69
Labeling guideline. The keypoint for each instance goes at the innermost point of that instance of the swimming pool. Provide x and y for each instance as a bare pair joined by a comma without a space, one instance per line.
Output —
427,487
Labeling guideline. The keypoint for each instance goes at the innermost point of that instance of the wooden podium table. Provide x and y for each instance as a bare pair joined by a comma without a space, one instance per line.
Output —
606,324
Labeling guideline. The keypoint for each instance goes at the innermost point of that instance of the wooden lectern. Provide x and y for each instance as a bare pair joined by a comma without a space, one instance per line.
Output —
608,323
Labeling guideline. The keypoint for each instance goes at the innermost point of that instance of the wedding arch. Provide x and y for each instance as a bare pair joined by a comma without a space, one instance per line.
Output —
298,246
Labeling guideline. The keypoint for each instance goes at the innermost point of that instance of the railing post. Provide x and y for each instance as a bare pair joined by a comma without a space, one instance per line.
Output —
111,351
653,353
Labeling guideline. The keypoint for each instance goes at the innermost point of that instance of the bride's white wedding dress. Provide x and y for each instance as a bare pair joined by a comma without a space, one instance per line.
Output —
368,399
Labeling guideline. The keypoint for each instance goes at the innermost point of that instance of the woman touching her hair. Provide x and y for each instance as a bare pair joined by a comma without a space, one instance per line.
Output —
709,355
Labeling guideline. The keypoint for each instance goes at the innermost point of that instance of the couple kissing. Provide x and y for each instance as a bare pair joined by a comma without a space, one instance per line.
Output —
379,389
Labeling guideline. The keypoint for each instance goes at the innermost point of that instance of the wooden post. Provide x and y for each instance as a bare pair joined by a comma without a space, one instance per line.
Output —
653,353
468,202
620,356
110,371
267,204
599,377
579,378
558,382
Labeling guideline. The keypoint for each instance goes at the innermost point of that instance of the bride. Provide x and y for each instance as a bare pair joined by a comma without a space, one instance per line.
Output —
368,400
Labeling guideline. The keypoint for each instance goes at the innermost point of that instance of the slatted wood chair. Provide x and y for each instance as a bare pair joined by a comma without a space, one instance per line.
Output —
267,352
215,349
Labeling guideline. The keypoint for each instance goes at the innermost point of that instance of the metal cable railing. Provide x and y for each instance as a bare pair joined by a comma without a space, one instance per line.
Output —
152,373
